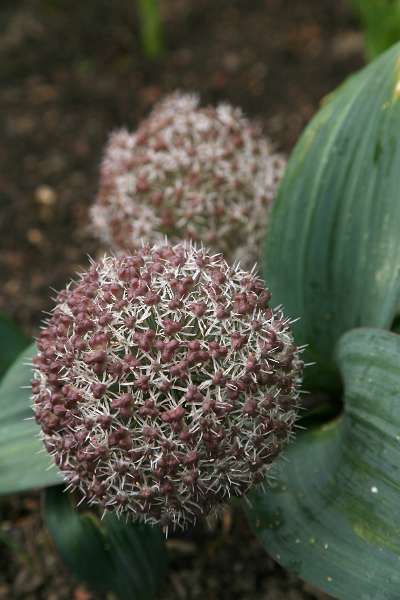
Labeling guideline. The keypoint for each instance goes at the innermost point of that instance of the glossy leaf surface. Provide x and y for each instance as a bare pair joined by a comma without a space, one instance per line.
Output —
110,555
332,515
333,247
24,464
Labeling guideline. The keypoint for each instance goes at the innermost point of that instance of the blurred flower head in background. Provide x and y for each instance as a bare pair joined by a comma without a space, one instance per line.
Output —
205,174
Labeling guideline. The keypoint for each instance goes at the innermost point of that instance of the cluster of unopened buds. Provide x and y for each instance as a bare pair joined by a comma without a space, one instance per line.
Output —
204,174
164,383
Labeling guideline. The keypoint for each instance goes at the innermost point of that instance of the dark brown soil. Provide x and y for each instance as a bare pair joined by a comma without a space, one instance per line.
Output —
71,72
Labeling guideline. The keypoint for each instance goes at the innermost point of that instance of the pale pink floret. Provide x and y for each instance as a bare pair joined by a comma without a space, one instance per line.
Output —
205,174
164,383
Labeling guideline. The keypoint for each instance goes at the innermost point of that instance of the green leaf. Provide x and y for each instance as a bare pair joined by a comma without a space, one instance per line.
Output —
333,247
381,22
110,555
151,28
24,463
12,342
332,515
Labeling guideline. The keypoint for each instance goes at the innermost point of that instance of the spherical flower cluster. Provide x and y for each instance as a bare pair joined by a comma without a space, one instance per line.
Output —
164,383
205,174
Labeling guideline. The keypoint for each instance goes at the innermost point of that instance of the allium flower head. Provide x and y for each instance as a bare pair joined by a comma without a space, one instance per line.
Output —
164,383
205,174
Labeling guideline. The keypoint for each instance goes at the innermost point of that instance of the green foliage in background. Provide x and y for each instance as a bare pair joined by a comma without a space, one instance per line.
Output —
380,20
151,28
109,554
12,342
332,253
24,464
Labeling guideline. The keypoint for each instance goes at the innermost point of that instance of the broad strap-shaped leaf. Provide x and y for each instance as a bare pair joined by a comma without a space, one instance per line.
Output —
332,515
24,464
12,342
110,555
332,253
